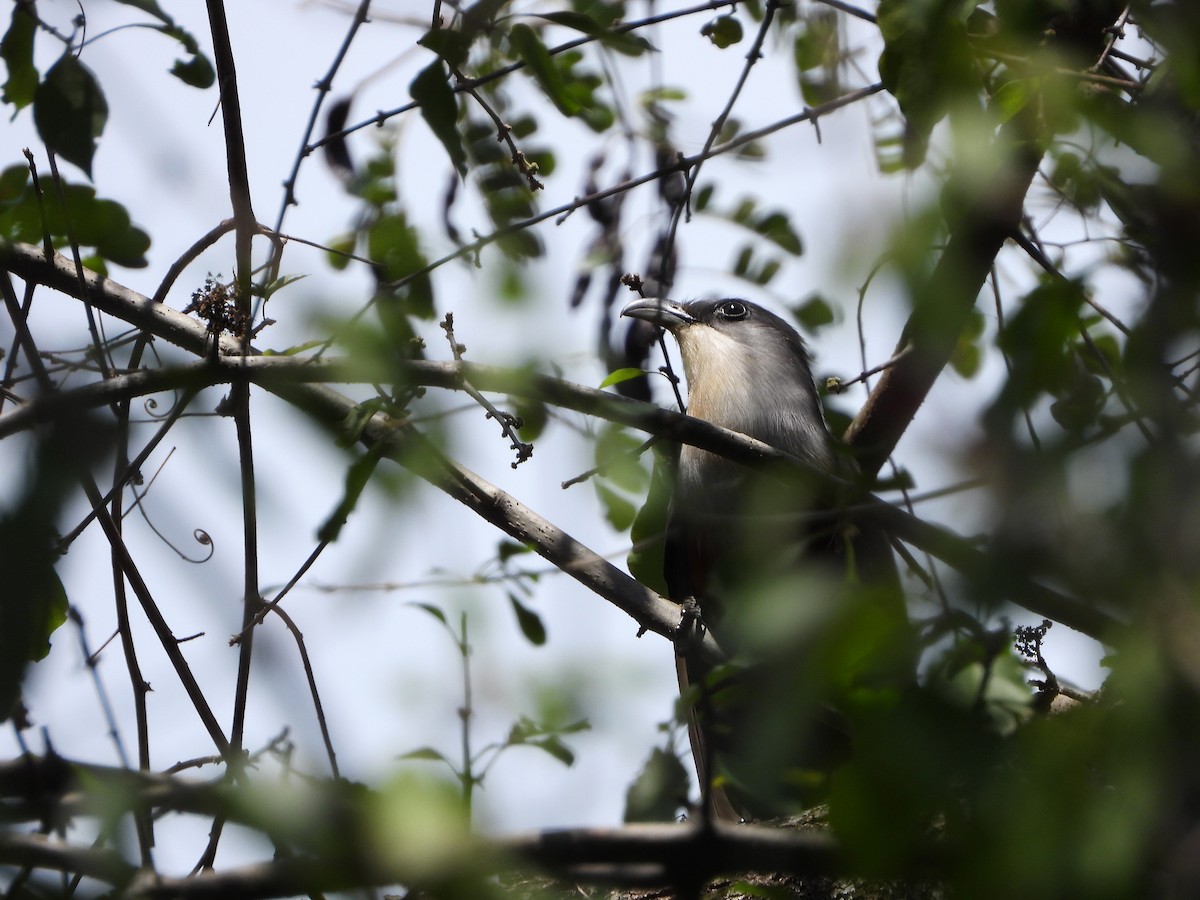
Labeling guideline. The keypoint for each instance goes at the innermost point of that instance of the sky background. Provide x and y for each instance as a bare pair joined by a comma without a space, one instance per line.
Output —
388,673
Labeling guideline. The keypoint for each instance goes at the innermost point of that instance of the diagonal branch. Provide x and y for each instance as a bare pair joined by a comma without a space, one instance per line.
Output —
300,382
942,306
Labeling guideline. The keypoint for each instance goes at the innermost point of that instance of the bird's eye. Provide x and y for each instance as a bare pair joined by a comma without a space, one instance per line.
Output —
733,309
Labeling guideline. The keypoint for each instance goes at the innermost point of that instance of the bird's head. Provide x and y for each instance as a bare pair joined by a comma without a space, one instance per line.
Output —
747,370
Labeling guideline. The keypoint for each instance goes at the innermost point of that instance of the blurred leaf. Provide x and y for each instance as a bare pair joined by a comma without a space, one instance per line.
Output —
723,31
659,791
427,753
747,266
448,43
967,355
528,621
439,108
525,732
357,476
616,457
648,532
394,246
617,510
1012,97
507,549
995,685
16,49
555,748
619,375
339,249
70,111
421,825
1038,341
86,219
1080,402
817,44
657,95
1110,355
814,313
777,228
529,47
34,601
927,63
148,6
627,43
773,225
815,90
505,193
533,414
434,611
195,71
269,290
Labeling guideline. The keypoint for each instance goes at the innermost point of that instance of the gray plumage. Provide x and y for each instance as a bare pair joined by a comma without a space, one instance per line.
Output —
730,528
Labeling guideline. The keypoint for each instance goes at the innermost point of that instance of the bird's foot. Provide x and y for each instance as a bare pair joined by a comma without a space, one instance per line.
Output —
691,625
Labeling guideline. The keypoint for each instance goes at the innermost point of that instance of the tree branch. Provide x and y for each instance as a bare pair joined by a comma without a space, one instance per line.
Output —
297,381
342,819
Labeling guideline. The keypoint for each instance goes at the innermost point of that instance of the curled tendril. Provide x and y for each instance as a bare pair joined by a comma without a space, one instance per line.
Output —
151,406
202,538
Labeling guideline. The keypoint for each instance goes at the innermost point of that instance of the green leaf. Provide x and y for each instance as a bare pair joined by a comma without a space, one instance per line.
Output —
508,549
775,225
86,219
195,71
623,42
533,414
814,313
151,7
268,291
616,457
434,611
357,476
1080,402
69,111
659,791
620,375
339,250
817,44
777,228
529,47
394,246
448,43
967,356
439,108
645,560
723,31
528,621
927,63
555,748
16,49
618,511
1037,340
34,602
426,753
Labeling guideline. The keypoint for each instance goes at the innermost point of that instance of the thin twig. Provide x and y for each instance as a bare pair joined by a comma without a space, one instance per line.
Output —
322,87
509,423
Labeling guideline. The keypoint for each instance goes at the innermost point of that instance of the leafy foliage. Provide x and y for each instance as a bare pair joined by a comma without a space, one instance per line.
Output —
1046,256
74,212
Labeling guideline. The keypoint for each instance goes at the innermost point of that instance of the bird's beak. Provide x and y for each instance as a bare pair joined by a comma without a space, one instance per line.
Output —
665,313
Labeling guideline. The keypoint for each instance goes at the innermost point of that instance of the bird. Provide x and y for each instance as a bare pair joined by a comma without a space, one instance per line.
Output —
733,533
